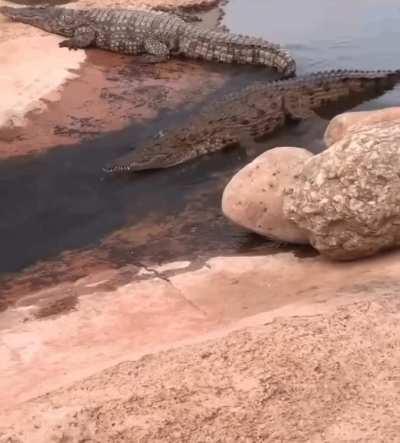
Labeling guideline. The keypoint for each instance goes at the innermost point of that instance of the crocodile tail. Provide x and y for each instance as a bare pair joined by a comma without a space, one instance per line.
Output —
320,88
233,48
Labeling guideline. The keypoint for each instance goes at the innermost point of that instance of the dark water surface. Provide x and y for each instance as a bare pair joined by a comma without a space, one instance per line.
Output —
61,201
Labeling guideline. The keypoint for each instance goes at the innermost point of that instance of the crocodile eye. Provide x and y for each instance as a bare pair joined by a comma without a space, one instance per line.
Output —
67,19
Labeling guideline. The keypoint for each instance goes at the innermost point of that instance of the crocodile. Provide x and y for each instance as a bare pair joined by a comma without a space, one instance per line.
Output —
253,113
153,35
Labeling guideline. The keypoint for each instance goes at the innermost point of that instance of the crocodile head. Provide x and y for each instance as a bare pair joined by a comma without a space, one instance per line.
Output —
152,155
55,20
165,151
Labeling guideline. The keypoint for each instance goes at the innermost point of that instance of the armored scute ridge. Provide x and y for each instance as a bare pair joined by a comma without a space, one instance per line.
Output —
255,112
157,34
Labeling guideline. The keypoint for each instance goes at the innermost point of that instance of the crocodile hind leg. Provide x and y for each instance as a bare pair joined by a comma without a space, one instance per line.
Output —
83,37
157,52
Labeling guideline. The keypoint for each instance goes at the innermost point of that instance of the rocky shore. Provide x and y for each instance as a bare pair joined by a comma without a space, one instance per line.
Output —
277,347
343,201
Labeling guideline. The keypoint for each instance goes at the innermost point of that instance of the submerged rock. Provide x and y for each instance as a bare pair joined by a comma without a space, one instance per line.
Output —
348,197
253,198
343,124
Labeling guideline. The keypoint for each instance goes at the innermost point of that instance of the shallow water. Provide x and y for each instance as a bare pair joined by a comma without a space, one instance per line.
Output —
60,201
325,34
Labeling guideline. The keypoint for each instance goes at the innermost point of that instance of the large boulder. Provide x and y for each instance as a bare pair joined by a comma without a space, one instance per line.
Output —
348,197
253,198
343,124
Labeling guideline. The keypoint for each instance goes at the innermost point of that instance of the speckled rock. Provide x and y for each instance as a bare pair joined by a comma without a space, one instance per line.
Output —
253,198
348,197
343,124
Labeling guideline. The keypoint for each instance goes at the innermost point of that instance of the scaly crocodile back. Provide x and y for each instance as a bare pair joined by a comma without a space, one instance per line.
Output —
233,48
195,42
130,31
256,111
322,85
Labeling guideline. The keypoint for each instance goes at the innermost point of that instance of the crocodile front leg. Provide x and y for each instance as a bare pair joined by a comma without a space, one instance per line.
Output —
157,52
83,37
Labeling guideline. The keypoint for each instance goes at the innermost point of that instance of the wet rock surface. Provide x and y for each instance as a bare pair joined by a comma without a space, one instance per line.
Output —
254,197
110,92
348,197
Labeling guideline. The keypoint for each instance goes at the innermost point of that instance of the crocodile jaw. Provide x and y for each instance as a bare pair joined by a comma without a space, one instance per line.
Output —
48,19
30,16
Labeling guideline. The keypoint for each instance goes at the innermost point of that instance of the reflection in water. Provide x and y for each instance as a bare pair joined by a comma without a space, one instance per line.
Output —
327,34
